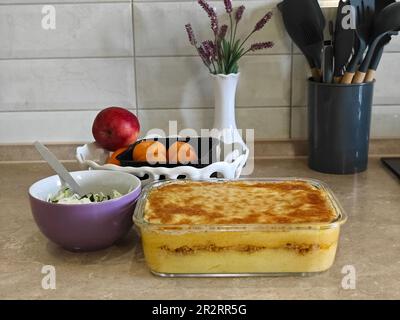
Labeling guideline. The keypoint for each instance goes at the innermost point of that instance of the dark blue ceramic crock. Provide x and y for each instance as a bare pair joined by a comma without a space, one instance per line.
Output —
339,120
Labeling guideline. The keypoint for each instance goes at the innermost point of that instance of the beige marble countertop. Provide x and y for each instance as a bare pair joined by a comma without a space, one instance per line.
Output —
370,242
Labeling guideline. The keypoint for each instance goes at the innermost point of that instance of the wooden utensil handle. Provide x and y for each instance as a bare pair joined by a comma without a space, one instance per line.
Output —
347,78
337,79
370,75
359,77
316,74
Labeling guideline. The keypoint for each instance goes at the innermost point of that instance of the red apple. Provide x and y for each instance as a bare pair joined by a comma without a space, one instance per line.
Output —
115,128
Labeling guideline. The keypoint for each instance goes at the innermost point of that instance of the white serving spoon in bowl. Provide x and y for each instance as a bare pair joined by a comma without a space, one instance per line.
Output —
57,166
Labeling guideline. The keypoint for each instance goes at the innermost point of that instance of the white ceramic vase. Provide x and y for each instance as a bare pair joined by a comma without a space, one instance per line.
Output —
224,107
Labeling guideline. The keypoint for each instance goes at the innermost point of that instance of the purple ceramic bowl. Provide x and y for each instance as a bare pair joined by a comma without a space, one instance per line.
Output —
90,226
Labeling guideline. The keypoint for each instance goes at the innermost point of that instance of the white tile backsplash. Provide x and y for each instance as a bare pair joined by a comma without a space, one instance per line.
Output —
301,72
160,27
166,82
265,81
394,45
84,30
178,82
299,123
135,53
385,122
387,80
195,119
47,126
268,123
66,84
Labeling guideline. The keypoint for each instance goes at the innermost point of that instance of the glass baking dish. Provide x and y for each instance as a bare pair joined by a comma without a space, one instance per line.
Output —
234,250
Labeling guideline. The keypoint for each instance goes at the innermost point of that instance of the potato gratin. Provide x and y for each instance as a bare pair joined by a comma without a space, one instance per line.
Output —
238,227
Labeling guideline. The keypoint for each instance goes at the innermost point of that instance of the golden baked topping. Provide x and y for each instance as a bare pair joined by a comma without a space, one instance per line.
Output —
238,202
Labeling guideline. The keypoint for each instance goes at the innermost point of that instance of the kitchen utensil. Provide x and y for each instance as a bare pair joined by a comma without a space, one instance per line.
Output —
331,29
328,56
305,24
86,226
381,4
316,10
327,62
364,20
58,168
343,42
373,58
388,20
376,58
313,44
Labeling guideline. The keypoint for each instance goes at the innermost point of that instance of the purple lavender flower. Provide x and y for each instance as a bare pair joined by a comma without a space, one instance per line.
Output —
192,38
214,24
222,31
228,6
221,56
212,15
239,13
260,24
204,56
207,8
261,45
209,49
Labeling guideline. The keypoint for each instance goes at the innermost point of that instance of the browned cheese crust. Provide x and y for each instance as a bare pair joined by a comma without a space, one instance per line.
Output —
238,202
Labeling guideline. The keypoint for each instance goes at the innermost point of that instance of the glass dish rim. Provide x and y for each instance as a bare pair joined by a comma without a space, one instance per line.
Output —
138,215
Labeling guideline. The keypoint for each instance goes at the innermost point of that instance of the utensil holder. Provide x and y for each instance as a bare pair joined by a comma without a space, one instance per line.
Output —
339,120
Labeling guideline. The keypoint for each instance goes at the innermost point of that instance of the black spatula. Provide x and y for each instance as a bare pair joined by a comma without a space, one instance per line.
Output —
376,58
343,42
364,21
386,21
381,4
304,22
327,62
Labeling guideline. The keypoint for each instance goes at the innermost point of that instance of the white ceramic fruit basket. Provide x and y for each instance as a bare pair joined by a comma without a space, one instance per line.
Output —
94,157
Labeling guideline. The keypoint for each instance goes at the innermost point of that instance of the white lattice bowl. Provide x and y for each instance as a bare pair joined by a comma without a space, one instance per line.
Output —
94,157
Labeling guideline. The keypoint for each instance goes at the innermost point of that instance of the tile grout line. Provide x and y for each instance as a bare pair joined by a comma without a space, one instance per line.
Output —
180,55
291,91
128,56
376,107
134,60
67,58
140,109
149,56
51,2
42,3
